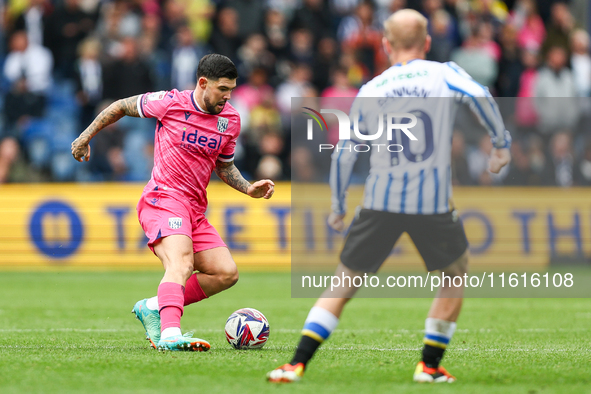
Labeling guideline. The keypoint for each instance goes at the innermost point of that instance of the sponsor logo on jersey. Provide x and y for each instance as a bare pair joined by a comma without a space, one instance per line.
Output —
199,140
175,223
156,96
222,124
187,115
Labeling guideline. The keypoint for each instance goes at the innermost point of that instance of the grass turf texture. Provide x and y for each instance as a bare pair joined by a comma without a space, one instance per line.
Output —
73,332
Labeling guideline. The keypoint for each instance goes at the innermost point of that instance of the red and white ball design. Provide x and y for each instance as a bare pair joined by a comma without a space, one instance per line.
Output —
247,328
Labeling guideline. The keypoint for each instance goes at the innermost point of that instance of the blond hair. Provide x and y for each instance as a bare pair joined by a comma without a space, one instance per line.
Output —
406,29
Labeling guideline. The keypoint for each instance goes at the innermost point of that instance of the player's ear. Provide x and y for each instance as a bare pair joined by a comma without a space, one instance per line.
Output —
202,83
386,45
427,44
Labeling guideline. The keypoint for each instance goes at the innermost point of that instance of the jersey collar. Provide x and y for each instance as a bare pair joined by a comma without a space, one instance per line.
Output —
197,107
404,63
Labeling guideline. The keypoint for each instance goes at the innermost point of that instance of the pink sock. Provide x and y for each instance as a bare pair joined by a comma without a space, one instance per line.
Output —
170,301
193,291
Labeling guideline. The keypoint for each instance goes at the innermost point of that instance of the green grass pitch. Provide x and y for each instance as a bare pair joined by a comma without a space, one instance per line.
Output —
73,332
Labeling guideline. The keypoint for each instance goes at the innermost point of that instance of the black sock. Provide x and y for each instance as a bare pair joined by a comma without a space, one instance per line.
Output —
432,356
305,350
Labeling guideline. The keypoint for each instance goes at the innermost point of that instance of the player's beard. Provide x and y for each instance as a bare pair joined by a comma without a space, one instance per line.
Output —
213,108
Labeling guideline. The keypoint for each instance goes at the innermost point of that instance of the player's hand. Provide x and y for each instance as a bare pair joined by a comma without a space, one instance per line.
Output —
335,220
499,158
263,188
81,149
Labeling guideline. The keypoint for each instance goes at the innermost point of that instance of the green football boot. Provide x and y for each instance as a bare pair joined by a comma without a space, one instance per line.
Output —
150,319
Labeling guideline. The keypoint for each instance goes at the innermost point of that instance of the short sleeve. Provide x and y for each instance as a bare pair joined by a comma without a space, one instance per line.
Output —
154,105
227,153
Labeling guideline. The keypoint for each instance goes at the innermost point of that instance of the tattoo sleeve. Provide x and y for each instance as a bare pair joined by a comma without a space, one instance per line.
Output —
112,114
228,173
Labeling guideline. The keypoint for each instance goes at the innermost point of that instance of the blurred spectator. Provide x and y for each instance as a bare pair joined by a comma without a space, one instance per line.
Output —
288,51
128,75
561,27
510,66
358,74
562,158
275,30
33,62
478,164
581,62
302,165
264,118
173,17
530,27
32,21
363,38
326,59
225,39
89,81
252,93
520,173
185,59
479,55
254,54
314,16
460,173
335,97
554,87
9,153
442,34
269,167
493,12
301,48
107,162
340,85
252,14
525,112
270,144
299,77
66,27
20,105
199,15
539,163
583,168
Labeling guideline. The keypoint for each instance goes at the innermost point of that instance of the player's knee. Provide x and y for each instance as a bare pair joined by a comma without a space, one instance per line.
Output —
182,267
228,277
458,267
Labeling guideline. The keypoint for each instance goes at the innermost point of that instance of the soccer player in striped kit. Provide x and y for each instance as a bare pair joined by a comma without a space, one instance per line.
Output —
406,191
195,134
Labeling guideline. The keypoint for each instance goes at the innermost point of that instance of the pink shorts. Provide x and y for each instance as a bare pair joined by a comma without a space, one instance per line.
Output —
161,214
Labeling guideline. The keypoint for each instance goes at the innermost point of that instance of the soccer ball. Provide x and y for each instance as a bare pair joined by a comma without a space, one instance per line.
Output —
247,328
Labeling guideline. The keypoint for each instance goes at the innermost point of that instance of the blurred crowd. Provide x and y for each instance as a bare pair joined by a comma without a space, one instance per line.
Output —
63,61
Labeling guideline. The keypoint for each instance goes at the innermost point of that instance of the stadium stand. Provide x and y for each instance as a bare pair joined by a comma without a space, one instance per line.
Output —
62,60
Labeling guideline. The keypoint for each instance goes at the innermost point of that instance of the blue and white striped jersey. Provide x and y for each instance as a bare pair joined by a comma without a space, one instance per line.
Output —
416,180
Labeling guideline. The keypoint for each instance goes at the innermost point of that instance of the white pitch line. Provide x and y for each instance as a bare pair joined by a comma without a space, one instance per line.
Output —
323,349
297,331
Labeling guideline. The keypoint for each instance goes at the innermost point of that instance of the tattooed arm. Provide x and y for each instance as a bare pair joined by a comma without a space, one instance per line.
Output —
228,173
111,114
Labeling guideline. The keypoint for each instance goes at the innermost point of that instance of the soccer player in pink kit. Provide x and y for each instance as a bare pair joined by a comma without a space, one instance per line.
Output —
196,134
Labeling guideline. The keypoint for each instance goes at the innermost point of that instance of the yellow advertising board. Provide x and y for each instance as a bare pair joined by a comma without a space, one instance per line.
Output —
95,225
519,227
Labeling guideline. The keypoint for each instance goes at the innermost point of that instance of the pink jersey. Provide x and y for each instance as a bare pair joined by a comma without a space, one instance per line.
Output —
187,143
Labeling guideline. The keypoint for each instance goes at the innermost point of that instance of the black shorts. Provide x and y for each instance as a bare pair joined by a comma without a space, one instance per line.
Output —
440,238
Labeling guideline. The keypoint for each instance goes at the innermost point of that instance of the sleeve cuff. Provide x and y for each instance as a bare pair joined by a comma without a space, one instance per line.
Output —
139,105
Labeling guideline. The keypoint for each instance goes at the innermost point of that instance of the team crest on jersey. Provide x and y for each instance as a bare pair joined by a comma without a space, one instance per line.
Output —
175,223
222,124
